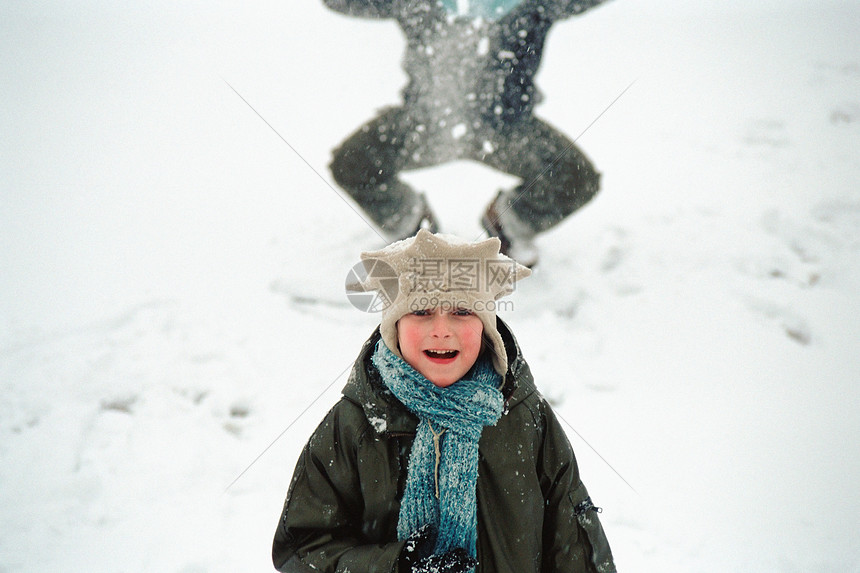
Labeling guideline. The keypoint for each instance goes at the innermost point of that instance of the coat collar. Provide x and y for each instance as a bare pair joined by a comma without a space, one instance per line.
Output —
389,416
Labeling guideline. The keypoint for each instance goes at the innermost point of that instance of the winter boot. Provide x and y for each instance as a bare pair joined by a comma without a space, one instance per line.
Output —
516,238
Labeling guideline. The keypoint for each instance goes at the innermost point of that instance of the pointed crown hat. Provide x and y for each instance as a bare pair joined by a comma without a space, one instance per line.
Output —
443,271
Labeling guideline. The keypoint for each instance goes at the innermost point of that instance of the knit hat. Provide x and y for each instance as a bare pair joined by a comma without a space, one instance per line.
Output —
444,271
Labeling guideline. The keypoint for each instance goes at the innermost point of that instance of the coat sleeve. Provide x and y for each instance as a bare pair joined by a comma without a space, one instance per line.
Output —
320,528
363,8
574,540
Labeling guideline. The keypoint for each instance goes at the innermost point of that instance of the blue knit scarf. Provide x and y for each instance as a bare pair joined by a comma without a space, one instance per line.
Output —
443,463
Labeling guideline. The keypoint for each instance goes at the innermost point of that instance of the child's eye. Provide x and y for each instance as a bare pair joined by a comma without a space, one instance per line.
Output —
462,312
423,312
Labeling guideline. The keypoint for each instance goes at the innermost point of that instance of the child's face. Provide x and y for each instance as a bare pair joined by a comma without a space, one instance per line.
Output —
441,345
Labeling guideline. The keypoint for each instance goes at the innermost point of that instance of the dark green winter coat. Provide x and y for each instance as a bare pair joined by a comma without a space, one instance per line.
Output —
534,514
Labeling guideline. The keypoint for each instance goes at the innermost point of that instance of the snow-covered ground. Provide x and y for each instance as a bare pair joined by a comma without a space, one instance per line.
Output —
172,315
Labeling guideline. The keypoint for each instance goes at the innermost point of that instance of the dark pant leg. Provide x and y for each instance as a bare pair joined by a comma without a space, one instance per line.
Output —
367,163
557,178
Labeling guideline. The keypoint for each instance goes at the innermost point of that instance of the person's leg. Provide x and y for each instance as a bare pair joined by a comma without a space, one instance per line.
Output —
557,177
366,166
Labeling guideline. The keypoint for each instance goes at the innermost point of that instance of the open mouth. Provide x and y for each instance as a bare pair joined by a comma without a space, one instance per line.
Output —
441,354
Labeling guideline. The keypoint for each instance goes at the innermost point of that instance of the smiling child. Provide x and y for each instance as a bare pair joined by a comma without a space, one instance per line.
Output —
441,456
